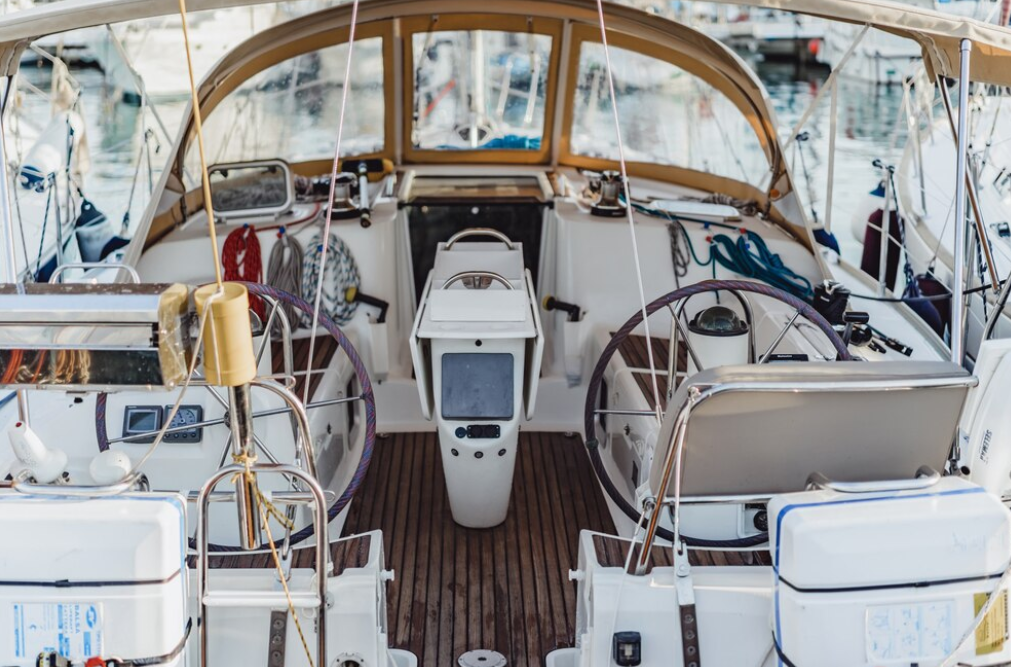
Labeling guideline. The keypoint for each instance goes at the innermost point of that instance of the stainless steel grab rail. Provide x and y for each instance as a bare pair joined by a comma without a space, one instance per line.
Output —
463,275
129,270
479,231
322,545
925,478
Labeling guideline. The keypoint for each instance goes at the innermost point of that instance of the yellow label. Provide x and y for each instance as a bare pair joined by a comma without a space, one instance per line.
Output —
992,631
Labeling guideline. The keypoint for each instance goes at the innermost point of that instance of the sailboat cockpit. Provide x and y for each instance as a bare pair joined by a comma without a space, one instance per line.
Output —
492,335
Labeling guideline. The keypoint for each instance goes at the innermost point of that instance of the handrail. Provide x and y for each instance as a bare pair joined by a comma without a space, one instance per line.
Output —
21,484
322,547
129,270
463,275
925,478
480,231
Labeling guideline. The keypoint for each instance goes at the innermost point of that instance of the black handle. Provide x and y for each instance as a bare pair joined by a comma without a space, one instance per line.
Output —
353,294
551,303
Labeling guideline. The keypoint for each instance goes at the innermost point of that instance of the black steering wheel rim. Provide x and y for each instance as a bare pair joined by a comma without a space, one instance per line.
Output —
367,396
597,377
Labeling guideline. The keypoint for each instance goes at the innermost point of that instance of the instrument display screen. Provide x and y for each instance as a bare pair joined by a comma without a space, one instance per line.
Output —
477,386
142,419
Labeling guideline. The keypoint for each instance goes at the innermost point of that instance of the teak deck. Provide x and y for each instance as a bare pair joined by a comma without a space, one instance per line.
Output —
322,352
503,588
612,552
633,351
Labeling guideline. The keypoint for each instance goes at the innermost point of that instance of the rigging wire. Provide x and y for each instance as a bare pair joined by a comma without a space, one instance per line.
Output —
628,209
329,202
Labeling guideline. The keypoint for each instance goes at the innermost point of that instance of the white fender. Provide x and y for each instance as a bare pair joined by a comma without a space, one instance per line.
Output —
985,429
44,464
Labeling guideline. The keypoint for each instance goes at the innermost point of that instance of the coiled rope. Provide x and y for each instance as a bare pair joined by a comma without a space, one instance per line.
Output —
284,271
748,255
242,260
340,273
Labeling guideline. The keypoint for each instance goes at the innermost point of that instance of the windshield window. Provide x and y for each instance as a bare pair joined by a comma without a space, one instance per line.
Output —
667,116
291,110
479,89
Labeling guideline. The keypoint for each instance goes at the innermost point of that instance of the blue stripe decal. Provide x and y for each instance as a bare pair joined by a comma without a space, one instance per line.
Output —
851,501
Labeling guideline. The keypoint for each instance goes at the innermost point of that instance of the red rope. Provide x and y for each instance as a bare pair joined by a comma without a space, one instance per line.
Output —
242,262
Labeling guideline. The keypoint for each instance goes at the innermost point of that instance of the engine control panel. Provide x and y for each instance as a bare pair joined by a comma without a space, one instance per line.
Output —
481,431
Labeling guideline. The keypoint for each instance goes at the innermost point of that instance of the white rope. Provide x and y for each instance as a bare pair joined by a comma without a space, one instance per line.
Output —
340,273
329,201
284,271
628,210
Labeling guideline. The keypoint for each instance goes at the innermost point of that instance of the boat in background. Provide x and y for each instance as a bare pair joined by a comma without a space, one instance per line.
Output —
883,58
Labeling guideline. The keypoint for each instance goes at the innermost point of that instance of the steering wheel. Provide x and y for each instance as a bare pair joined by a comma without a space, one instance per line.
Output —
802,308
367,396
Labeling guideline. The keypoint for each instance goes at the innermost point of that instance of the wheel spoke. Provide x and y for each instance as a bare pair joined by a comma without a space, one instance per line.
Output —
779,338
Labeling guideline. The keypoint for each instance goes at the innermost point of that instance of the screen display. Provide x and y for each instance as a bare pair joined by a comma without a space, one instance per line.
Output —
477,386
143,420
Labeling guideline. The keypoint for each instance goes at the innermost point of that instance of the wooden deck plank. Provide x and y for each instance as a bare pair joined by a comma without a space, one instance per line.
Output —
413,544
501,588
633,351
323,352
349,552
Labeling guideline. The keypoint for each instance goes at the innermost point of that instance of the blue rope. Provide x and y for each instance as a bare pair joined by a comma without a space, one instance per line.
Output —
7,399
748,256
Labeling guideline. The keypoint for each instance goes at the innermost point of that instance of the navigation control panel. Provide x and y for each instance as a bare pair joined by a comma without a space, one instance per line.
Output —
145,421
482,431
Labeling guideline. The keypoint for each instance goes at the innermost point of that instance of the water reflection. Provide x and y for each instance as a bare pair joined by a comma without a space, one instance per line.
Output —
869,127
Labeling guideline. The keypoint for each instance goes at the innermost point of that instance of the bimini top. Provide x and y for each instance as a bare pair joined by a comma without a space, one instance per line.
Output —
937,33
509,82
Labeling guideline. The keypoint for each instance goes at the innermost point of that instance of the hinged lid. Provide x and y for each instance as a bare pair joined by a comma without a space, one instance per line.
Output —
828,541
